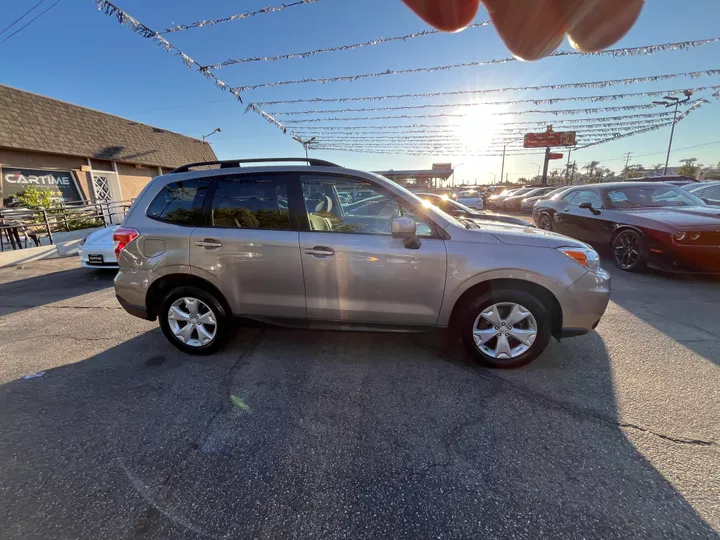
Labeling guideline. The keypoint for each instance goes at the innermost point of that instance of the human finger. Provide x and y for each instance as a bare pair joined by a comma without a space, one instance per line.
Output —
445,15
601,23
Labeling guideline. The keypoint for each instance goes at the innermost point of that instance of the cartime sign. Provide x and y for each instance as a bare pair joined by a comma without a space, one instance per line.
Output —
15,181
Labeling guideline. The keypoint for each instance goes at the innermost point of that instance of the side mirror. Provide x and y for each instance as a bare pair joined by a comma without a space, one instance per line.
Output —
587,205
706,201
403,227
406,228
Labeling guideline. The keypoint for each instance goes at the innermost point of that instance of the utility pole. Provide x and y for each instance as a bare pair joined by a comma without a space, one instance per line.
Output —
627,160
306,143
502,170
669,102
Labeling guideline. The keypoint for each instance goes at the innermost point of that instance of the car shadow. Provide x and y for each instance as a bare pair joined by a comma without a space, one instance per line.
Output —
297,434
47,288
655,297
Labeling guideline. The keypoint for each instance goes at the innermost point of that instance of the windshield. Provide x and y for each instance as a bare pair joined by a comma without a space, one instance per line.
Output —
650,196
467,194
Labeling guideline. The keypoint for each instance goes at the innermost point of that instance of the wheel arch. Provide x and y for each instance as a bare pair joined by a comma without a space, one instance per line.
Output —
163,285
547,298
624,227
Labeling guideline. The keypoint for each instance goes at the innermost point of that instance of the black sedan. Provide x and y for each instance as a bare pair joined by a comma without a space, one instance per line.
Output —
643,224
460,211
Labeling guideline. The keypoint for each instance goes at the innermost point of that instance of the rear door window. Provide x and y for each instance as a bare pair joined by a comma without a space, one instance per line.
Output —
251,202
181,203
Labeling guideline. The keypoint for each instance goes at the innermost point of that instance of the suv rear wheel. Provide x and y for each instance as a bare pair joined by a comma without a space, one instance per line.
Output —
506,328
193,320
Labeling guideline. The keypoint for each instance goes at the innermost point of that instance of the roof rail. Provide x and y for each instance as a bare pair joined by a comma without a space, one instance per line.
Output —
234,163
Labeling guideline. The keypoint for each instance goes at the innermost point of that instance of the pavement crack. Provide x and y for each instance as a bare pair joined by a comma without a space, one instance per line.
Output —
576,411
676,440
35,306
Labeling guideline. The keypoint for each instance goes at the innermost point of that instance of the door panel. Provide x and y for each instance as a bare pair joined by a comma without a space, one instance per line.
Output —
372,278
258,271
248,247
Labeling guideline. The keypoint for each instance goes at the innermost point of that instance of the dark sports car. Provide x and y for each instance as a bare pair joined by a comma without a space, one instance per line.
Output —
643,224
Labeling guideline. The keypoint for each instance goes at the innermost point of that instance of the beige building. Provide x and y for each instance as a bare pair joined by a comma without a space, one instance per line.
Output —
84,154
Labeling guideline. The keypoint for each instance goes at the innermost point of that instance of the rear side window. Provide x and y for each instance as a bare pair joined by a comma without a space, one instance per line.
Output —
251,202
180,202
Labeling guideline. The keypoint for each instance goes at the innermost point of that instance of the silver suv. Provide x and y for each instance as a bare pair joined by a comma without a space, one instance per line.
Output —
320,246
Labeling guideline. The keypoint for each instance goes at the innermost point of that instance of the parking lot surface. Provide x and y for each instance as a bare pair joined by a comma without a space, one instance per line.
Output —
298,434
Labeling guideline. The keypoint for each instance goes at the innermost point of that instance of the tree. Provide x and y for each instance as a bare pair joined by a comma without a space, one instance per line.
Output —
591,168
689,168
634,171
658,168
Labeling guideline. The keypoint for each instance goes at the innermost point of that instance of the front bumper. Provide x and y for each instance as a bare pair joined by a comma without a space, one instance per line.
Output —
685,259
584,303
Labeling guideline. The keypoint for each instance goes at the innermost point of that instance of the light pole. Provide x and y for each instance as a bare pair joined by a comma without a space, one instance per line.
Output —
502,170
538,166
494,178
452,182
216,130
669,101
306,143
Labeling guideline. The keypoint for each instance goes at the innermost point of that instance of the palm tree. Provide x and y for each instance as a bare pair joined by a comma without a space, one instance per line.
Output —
659,167
591,168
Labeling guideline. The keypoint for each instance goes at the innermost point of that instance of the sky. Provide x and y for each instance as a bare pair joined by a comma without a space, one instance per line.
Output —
77,54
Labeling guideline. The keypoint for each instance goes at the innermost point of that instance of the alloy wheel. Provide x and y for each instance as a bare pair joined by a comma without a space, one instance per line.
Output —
545,223
627,250
505,330
192,322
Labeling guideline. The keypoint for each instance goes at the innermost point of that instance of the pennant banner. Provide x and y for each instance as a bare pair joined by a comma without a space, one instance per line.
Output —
593,84
615,53
501,113
307,54
544,101
238,17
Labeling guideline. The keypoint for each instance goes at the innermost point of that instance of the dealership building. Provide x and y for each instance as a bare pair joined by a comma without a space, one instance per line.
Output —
82,153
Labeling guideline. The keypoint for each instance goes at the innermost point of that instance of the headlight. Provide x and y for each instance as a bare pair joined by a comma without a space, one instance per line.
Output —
584,256
680,236
695,236
82,242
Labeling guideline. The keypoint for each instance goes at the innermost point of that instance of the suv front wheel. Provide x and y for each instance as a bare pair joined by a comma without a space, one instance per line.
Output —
506,328
193,320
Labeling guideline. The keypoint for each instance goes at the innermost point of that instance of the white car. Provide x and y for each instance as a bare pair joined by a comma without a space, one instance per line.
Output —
472,199
98,249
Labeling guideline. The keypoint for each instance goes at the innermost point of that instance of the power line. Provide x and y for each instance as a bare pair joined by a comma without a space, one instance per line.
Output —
20,18
30,21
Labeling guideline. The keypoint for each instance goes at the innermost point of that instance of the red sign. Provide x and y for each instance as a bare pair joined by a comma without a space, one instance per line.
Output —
556,156
550,138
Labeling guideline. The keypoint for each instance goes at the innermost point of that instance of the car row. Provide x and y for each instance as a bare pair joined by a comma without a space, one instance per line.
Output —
278,244
642,224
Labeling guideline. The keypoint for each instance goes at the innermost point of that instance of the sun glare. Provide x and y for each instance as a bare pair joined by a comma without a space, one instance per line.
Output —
478,129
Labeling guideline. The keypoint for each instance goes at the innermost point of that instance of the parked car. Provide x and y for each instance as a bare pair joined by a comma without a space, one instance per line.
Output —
97,250
471,199
460,211
643,224
200,246
707,191
495,200
528,202
679,181
514,201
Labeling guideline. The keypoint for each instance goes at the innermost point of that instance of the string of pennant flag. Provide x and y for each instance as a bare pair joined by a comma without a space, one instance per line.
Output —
441,132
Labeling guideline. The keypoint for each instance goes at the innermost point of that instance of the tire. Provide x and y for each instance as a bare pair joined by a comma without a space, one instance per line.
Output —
545,222
539,319
208,303
629,251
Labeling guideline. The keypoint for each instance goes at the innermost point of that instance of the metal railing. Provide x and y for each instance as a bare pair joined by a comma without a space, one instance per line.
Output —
34,223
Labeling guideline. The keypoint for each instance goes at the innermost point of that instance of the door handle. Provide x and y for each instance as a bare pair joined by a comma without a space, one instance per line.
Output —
208,243
320,251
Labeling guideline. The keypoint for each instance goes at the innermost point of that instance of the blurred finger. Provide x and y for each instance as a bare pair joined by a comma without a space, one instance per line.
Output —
601,23
445,15
531,29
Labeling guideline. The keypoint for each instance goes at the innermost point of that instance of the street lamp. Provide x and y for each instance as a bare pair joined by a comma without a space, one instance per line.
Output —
216,130
538,166
306,143
452,182
669,101
494,177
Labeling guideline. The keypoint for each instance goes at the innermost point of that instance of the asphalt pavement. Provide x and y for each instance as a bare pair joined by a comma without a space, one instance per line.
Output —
299,434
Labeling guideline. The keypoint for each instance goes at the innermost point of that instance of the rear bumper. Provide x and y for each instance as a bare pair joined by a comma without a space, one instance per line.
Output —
136,311
584,303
